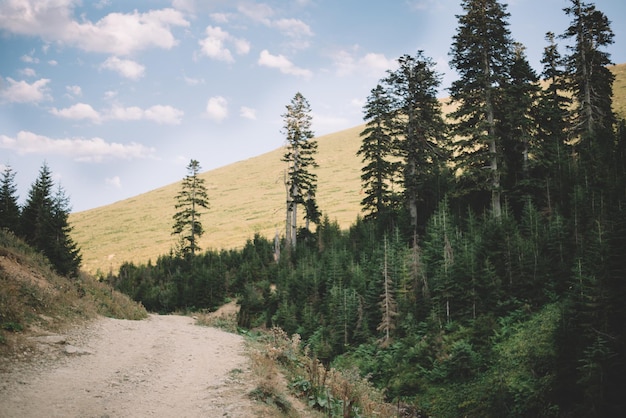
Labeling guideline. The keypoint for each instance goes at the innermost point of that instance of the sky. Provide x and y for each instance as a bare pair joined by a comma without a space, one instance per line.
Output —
117,96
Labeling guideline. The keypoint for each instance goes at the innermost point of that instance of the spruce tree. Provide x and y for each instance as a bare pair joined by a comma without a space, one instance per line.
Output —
418,128
300,181
516,129
551,117
65,252
44,224
9,207
192,197
378,175
591,82
481,54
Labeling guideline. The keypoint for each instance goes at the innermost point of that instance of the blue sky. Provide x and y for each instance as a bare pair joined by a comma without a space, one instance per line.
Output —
118,96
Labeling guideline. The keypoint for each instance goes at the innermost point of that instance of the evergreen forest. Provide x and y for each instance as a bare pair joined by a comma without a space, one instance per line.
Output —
486,276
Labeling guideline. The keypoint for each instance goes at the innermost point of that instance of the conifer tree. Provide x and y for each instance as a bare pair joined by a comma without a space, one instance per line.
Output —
300,181
591,82
65,252
516,128
379,173
44,224
551,116
9,207
419,130
192,197
481,54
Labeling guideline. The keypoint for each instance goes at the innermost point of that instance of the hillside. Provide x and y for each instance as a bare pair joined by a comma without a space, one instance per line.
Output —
246,197
35,301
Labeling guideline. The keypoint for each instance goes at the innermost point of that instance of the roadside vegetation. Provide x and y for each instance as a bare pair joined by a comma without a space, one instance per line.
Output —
34,298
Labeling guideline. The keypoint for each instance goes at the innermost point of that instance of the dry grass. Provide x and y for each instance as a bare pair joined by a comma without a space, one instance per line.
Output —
34,299
246,197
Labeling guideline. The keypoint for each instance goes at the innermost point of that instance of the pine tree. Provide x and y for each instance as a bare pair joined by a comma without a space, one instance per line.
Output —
516,129
36,213
65,252
419,128
9,207
300,181
551,116
482,55
592,81
44,224
378,174
192,197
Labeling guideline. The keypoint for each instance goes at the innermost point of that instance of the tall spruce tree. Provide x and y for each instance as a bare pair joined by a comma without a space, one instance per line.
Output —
378,175
418,128
44,224
65,252
516,128
300,181
192,198
482,55
551,117
591,82
9,207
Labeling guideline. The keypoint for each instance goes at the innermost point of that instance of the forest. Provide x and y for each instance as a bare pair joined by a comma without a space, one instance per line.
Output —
486,275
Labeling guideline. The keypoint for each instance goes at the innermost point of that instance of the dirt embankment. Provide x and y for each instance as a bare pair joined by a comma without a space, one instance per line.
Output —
164,366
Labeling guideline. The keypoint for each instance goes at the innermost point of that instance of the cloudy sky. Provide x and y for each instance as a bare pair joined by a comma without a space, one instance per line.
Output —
117,96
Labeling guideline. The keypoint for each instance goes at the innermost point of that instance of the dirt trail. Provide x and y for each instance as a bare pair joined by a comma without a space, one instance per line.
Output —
164,366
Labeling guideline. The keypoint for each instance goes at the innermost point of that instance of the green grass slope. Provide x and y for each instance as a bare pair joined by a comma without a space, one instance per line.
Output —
246,197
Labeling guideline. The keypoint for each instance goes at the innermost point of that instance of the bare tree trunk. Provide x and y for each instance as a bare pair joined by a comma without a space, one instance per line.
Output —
496,207
288,217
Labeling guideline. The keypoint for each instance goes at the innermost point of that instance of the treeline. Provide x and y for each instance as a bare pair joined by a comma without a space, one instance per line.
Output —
486,277
42,221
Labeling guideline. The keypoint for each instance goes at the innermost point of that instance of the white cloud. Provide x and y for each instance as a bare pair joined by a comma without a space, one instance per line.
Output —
185,5
214,44
193,81
160,114
257,12
77,112
217,108
247,113
110,94
294,28
126,68
53,63
115,33
220,17
28,72
372,64
283,64
124,113
80,149
30,58
22,92
114,181
74,91
164,115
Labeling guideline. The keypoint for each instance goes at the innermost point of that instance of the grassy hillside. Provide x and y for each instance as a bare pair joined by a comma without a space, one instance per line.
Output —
246,197
35,300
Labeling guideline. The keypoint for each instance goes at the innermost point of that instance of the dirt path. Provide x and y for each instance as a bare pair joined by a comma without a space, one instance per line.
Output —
164,366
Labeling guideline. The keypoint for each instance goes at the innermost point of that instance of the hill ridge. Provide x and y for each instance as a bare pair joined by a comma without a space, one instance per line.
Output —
246,197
